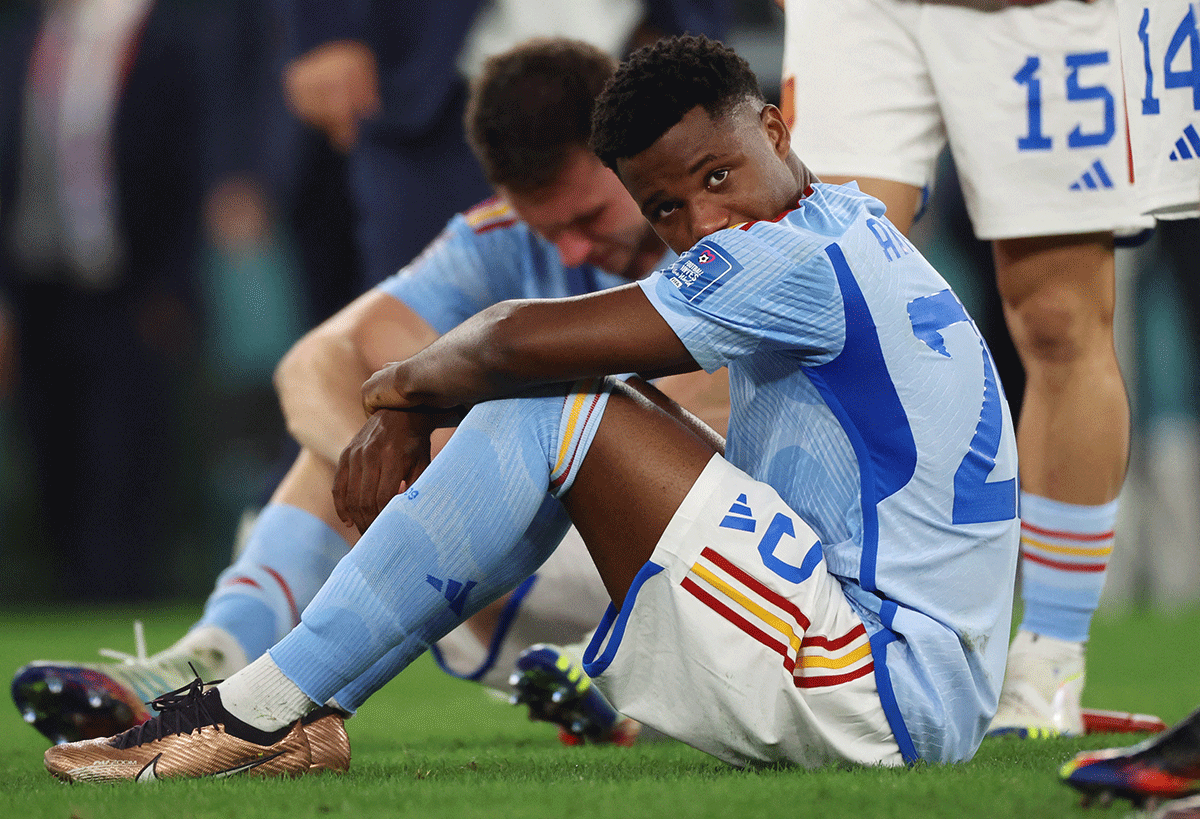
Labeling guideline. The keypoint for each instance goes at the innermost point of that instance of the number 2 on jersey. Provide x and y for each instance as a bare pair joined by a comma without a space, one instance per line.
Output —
975,499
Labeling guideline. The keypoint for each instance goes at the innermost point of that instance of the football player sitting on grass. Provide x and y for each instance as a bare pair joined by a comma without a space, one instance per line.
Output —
833,583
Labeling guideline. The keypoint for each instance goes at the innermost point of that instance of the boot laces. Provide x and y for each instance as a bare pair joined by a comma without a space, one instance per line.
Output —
181,711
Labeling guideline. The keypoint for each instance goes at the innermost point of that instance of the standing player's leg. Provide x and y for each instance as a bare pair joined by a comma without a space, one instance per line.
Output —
1073,440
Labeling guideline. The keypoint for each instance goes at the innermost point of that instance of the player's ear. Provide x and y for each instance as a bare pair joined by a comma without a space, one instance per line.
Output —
777,131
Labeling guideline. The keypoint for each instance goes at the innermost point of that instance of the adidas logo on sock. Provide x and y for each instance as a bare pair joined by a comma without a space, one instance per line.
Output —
1187,146
454,591
739,516
1094,178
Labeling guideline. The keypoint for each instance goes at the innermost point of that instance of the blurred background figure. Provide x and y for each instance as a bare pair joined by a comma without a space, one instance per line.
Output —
168,227
102,122
387,82
1160,326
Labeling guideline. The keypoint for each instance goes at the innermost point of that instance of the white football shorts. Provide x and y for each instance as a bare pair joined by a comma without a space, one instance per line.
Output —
1029,99
736,640
1160,52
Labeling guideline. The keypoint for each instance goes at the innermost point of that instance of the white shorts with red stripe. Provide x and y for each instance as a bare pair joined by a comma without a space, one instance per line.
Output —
736,640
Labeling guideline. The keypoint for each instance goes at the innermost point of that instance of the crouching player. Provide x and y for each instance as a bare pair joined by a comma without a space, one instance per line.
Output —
833,583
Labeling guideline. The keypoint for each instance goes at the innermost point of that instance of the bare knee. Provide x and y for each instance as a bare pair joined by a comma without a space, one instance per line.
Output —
1059,297
1056,326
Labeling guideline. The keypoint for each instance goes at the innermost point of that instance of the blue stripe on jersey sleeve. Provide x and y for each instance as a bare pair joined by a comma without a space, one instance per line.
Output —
859,391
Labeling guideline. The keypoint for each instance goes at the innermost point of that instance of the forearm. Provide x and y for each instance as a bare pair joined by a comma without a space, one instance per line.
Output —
513,346
318,383
472,363
320,380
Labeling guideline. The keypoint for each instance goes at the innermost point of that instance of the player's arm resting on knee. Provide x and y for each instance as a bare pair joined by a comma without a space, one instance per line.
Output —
320,380
500,351
390,452
519,344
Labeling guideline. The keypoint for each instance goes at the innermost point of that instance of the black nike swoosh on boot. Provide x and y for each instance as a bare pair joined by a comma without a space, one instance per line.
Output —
149,773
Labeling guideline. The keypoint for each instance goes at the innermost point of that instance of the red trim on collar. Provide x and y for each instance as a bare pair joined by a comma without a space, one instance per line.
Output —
747,225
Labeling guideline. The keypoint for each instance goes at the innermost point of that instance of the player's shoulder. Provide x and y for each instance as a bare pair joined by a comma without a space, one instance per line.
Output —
823,214
490,215
494,230
797,233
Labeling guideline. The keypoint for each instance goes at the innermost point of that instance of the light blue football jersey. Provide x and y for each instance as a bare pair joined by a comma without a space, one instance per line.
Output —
484,256
864,394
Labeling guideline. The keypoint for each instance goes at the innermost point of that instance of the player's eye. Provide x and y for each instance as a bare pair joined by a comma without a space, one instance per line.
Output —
717,177
591,217
664,210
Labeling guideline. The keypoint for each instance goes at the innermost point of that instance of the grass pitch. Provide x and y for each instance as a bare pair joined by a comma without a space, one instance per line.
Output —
431,746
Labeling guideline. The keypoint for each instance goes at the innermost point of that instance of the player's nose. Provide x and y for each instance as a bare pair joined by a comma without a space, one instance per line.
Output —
707,218
573,248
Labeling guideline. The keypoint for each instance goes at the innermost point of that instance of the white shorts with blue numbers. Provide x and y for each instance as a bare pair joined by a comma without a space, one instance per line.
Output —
1030,100
735,638
1160,49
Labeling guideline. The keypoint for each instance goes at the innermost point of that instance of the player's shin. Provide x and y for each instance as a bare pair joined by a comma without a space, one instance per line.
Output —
258,599
449,546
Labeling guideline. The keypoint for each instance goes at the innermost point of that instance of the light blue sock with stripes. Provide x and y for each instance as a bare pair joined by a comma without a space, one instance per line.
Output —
258,598
1064,559
476,523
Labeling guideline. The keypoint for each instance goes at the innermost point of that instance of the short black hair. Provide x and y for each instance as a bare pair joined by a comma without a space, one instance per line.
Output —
658,84
531,106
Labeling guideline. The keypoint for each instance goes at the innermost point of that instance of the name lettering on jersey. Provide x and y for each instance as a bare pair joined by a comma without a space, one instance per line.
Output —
700,271
892,241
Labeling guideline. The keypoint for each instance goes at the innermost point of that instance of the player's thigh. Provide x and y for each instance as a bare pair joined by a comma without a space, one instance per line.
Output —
737,640
639,467
1032,98
859,92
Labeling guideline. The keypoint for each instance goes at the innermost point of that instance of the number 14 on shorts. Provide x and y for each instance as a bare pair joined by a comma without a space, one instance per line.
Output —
1170,53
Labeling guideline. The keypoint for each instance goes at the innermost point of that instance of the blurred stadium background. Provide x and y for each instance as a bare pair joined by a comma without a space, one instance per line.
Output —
233,444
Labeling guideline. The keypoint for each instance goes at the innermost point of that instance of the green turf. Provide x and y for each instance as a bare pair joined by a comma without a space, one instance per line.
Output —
430,746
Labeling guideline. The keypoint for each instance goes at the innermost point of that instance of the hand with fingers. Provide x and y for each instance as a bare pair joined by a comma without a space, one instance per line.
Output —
390,452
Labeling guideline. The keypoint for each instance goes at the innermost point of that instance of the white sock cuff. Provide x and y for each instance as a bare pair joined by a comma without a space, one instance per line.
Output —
261,695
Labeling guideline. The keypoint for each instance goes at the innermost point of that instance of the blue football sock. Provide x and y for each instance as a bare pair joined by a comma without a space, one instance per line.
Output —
476,523
288,556
1064,559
